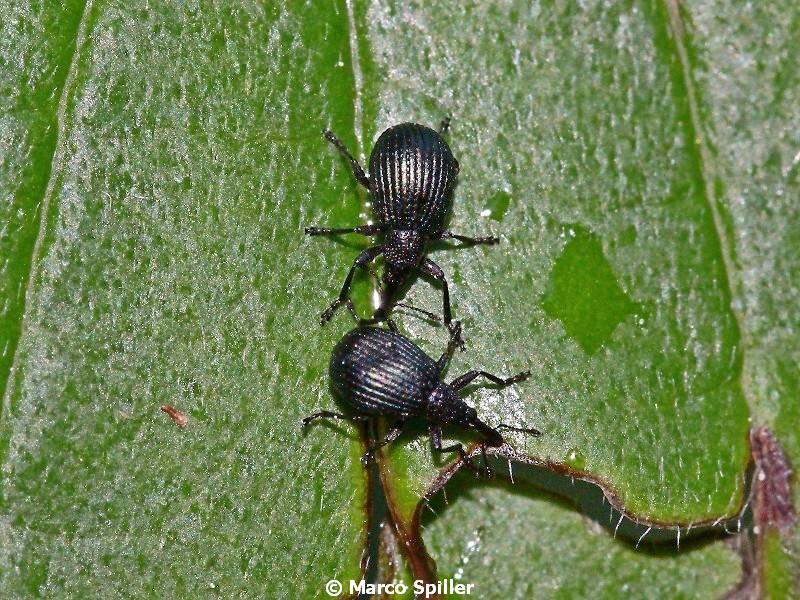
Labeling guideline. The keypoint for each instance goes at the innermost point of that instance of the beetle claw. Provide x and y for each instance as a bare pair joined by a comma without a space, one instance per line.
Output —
522,377
455,335
327,314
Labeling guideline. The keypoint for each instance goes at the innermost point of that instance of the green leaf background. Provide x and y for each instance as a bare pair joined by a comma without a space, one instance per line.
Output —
640,162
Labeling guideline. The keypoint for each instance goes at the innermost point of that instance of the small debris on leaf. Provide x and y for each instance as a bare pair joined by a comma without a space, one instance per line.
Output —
180,418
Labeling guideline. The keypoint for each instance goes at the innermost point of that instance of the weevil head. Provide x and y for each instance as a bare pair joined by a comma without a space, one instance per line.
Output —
447,408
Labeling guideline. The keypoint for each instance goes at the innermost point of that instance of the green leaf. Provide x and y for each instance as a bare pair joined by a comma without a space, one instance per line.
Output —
519,541
639,162
171,268
34,69
610,283
744,64
646,280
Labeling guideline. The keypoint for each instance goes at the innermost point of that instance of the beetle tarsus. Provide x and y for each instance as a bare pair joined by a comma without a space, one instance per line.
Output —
519,377
469,376
436,440
456,336
328,414
393,433
489,240
328,313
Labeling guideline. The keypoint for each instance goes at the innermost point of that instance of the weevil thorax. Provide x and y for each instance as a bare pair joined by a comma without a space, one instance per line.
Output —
444,406
403,251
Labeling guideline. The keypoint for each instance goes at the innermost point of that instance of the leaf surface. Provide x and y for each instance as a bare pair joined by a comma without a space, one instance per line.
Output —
172,270
638,160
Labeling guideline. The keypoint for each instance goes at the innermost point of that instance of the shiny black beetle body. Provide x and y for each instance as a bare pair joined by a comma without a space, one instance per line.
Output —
411,176
380,373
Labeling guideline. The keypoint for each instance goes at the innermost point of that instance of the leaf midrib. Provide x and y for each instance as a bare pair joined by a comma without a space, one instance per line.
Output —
733,283
27,285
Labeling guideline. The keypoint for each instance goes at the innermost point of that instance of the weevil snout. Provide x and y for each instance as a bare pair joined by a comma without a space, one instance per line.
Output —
491,436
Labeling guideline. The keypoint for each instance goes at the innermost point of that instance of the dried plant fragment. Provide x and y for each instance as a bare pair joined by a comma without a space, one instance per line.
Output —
772,497
180,418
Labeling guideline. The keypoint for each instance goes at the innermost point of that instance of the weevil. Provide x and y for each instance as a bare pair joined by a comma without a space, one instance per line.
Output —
411,177
376,372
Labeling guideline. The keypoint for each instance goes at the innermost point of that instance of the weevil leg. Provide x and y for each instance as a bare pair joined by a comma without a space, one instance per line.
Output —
455,342
460,382
428,267
352,310
327,414
357,170
444,125
367,256
436,439
484,239
362,229
393,433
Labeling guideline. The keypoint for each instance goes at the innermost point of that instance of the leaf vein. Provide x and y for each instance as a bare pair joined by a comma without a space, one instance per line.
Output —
27,288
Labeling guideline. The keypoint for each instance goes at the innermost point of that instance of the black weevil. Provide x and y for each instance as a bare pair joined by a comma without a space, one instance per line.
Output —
380,373
411,175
